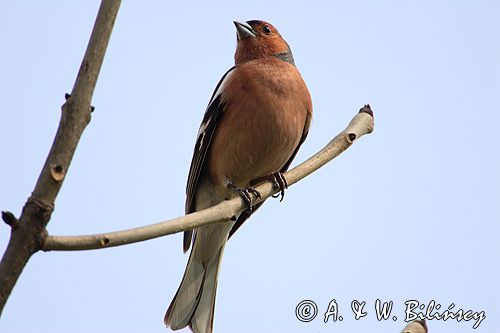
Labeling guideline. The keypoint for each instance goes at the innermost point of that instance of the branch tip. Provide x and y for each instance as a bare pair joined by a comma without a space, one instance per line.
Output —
366,109
10,219
416,326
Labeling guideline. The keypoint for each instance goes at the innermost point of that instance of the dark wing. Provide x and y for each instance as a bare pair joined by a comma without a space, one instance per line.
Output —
207,129
245,215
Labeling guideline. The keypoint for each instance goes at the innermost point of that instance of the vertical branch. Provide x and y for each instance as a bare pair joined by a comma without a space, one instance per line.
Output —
28,232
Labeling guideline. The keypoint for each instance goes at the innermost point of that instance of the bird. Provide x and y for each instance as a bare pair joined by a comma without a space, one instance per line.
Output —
255,122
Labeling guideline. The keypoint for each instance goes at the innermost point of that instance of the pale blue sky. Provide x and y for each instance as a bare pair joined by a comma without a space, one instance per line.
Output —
409,212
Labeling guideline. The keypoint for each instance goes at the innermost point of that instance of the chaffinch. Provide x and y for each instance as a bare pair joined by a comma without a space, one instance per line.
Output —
255,122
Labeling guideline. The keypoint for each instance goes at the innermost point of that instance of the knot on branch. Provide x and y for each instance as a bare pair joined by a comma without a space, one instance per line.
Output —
57,172
41,208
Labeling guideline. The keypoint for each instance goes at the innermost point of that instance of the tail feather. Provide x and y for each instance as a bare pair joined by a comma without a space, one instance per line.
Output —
203,318
186,298
194,302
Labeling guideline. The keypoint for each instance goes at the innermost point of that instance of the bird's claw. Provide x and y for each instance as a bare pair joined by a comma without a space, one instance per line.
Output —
279,182
244,194
254,192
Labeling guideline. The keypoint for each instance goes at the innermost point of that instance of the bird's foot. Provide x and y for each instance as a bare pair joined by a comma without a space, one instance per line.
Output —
244,194
279,182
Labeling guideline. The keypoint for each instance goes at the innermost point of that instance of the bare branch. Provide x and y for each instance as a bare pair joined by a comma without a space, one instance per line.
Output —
29,232
361,124
416,326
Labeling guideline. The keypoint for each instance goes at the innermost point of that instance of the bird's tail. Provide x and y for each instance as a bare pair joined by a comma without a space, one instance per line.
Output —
194,302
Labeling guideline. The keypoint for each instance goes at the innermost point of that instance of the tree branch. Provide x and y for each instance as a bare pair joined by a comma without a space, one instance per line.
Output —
28,233
416,326
361,124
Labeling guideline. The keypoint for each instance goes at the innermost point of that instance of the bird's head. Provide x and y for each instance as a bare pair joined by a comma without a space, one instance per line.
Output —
259,39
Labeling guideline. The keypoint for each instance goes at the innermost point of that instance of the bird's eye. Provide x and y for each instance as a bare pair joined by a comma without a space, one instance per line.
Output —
266,29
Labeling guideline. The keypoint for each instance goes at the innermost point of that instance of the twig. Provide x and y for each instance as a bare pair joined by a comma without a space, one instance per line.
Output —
416,326
361,124
10,219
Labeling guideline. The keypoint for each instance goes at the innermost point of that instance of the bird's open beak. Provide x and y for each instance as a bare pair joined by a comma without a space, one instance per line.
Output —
244,30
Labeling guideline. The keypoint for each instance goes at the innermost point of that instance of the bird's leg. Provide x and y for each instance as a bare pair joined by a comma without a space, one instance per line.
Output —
244,194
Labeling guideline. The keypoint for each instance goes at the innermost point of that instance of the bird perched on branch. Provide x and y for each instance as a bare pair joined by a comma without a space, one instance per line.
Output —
255,122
